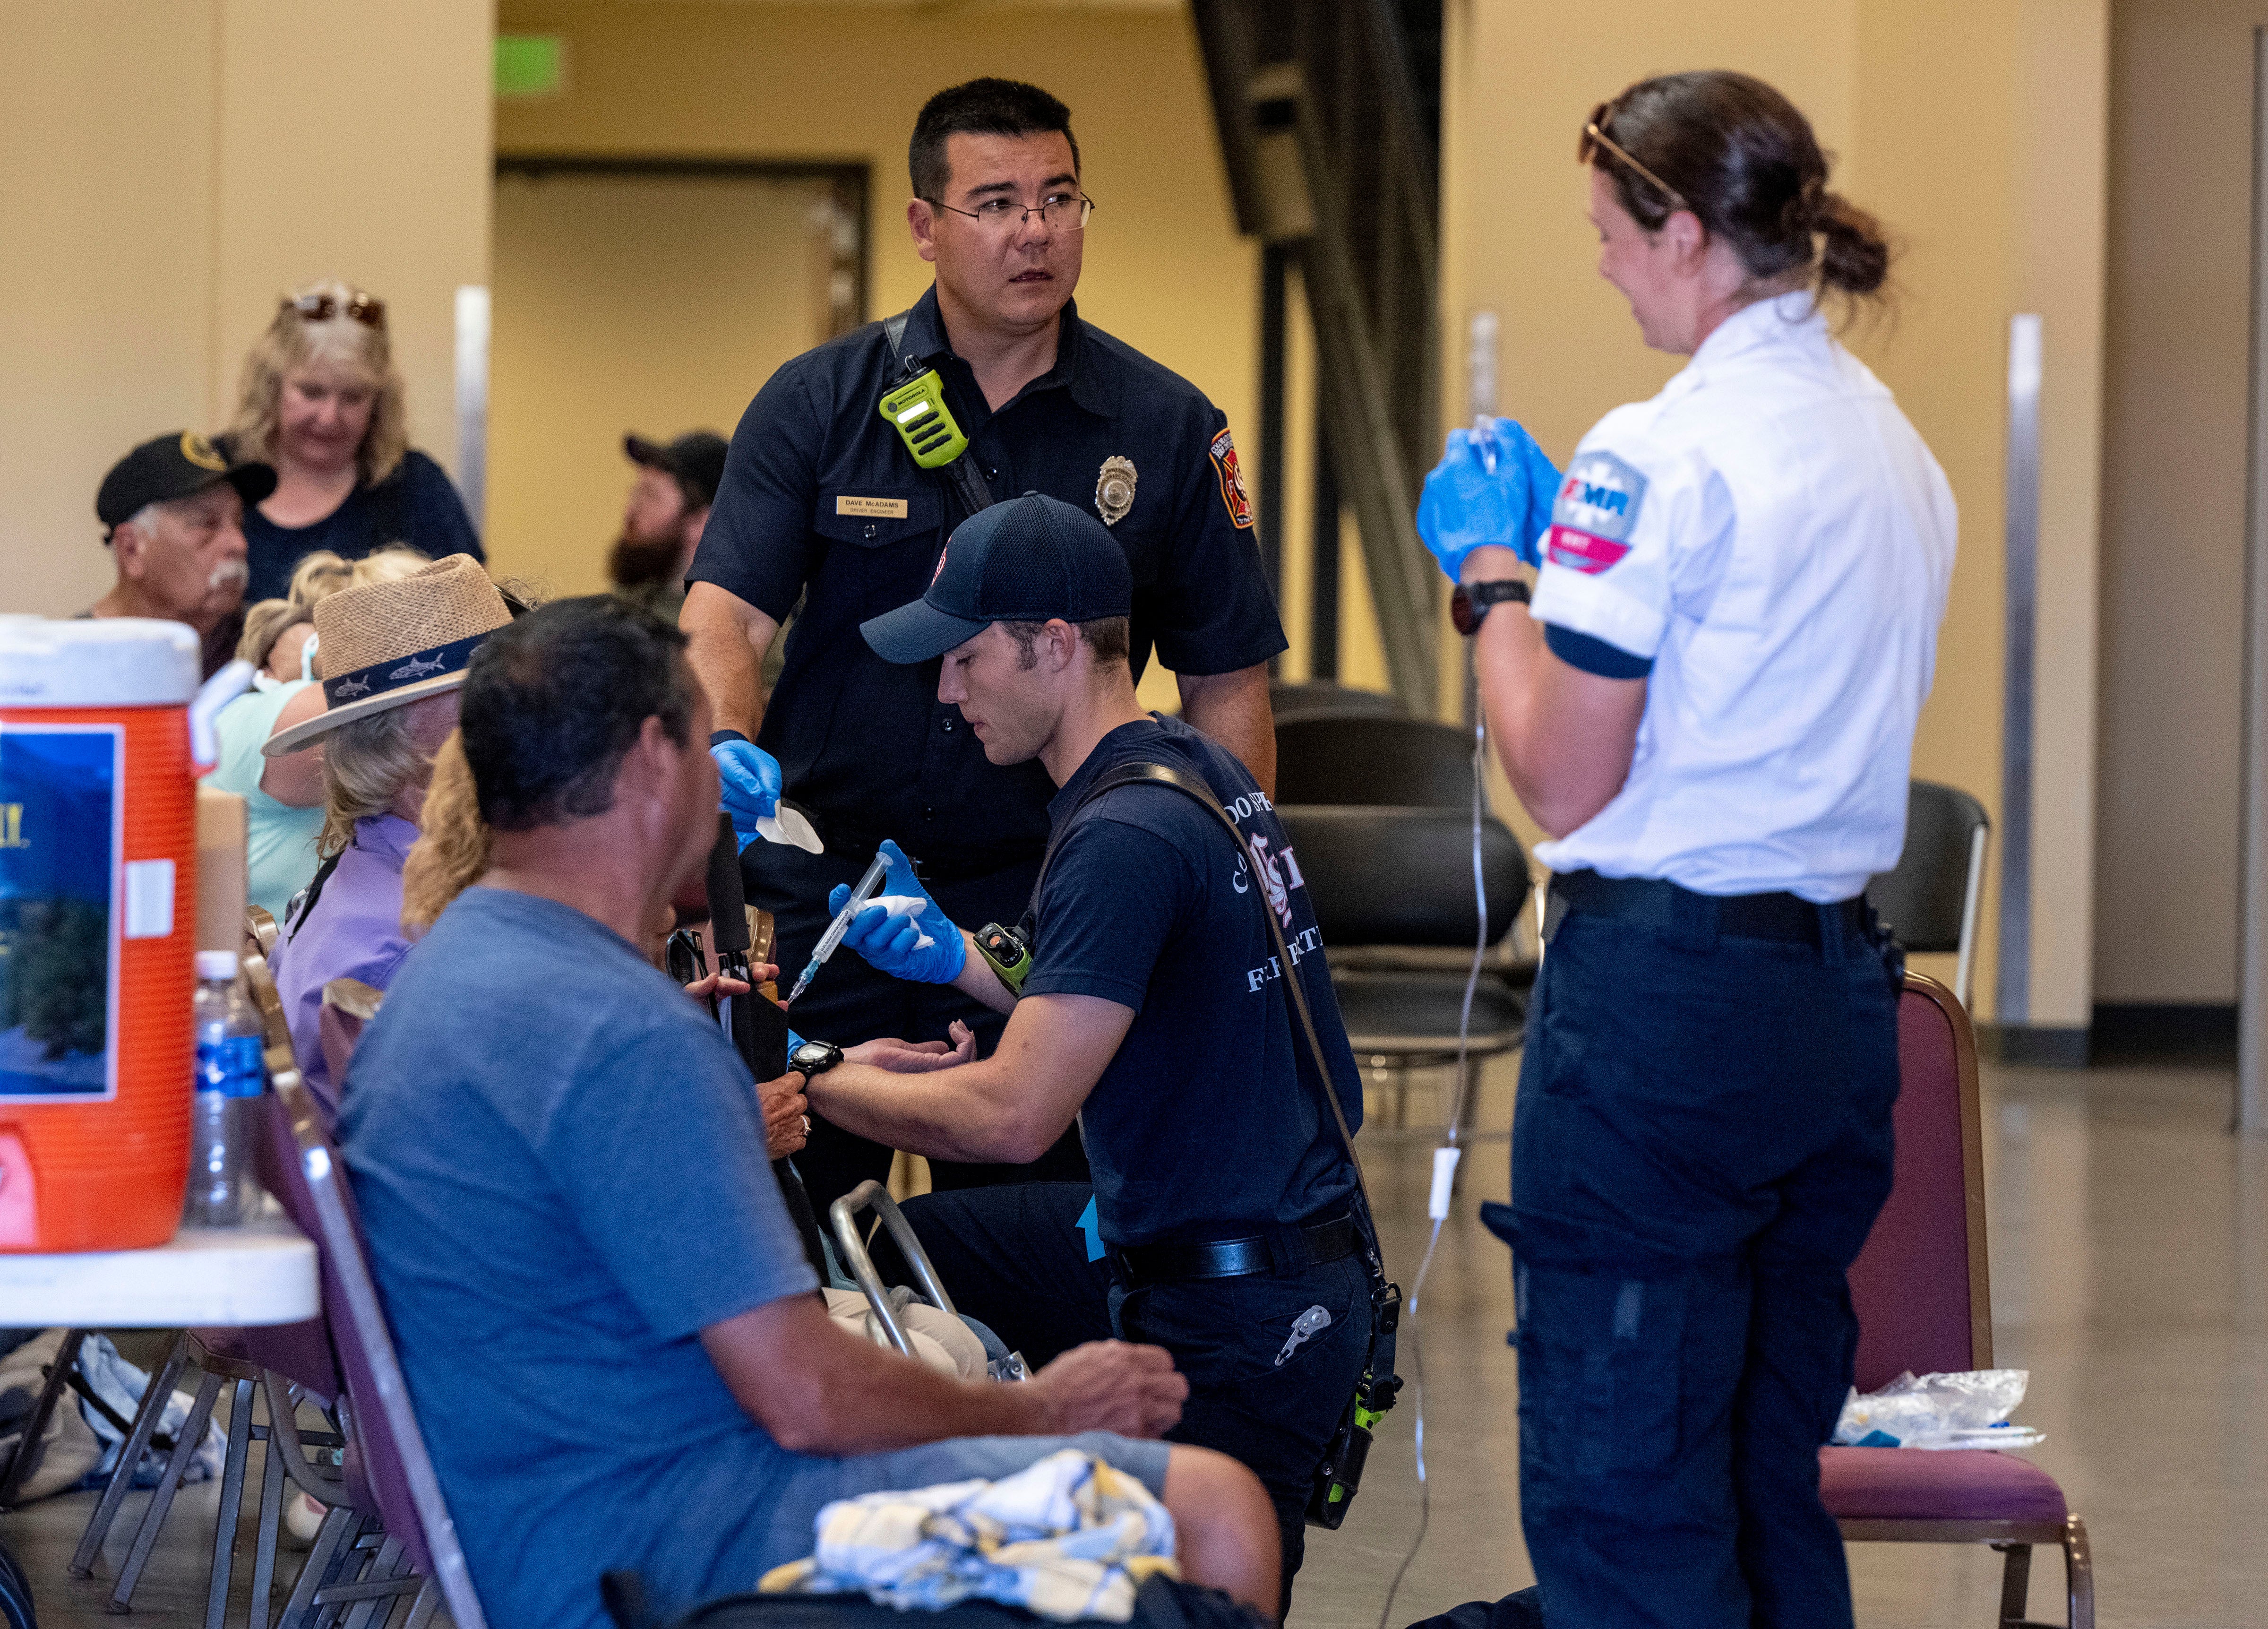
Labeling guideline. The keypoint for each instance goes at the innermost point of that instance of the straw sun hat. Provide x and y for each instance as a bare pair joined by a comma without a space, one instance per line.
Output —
386,645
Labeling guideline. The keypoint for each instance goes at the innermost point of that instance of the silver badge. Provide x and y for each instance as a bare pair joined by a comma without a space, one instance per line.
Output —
1113,489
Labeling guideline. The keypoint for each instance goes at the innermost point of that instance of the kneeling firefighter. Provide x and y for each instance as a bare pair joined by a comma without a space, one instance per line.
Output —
1167,988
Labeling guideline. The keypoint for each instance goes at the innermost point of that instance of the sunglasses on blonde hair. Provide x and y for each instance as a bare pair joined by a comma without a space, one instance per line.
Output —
366,309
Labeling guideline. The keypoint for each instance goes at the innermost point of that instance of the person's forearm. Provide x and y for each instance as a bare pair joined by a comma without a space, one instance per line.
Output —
968,1114
1565,739
1232,709
977,981
867,1399
726,640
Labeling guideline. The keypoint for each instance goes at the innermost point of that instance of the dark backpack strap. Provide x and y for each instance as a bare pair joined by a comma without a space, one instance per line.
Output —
1143,772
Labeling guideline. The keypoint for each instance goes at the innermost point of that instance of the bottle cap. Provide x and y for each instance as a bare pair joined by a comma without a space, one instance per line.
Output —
216,965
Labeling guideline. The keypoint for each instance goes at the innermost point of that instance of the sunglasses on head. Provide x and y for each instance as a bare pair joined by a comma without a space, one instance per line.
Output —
1595,137
366,309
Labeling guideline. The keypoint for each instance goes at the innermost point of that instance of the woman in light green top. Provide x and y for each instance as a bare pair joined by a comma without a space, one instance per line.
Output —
283,797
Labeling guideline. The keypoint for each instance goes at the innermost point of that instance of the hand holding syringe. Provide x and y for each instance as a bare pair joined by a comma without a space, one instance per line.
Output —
833,937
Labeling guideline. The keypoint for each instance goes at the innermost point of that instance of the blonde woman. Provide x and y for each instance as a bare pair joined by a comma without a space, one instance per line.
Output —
283,797
392,658
322,402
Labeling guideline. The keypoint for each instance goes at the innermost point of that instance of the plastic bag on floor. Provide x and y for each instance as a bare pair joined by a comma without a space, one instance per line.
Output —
121,1385
1966,1410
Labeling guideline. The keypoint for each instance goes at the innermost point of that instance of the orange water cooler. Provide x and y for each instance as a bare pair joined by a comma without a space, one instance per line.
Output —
98,928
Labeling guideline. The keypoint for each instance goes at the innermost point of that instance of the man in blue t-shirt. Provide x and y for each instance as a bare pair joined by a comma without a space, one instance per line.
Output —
1224,1222
604,1313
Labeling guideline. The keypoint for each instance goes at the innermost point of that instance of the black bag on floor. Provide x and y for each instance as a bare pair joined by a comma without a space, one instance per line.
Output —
1162,1603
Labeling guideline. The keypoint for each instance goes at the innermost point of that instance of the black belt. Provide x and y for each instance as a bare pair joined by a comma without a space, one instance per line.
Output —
1654,900
1316,1243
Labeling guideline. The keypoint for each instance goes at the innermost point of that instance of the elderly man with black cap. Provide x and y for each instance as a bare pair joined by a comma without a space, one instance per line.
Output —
1167,988
664,517
173,512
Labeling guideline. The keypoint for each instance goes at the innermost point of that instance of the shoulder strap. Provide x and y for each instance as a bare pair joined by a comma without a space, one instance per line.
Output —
1140,772
894,330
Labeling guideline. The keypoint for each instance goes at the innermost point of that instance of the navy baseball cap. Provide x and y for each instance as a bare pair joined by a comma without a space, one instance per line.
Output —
1028,560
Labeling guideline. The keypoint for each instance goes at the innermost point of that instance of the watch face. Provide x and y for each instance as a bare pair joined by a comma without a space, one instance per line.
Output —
811,1052
1464,616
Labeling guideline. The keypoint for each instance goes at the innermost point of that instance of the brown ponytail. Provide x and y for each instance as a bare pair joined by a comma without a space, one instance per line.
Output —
1854,256
453,845
1741,157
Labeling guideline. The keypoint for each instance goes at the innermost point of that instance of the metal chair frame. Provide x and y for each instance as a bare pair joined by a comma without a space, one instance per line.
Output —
843,1215
2013,1539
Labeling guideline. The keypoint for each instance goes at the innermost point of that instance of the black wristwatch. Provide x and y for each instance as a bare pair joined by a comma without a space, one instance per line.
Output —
814,1058
1471,602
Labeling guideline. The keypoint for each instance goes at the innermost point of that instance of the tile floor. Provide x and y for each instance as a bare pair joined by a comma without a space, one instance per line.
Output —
2130,1269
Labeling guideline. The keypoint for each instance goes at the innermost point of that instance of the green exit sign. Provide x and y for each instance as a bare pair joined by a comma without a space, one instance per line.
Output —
530,65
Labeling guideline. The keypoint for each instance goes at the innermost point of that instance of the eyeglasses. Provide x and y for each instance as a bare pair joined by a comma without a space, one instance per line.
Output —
1062,212
1593,137
366,309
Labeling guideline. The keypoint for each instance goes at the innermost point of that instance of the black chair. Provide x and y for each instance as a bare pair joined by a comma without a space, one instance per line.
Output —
1930,901
1404,877
1373,760
1322,699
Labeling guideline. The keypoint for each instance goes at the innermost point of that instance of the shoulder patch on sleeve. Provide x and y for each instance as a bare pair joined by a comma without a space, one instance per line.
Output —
1595,514
1232,479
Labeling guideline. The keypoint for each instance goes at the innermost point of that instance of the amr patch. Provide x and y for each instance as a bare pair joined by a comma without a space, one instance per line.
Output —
1595,513
1232,480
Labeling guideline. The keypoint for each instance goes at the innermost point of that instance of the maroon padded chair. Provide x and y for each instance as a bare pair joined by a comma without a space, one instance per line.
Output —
1923,1292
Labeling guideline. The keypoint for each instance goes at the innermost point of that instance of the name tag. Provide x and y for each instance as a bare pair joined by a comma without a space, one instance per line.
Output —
872,508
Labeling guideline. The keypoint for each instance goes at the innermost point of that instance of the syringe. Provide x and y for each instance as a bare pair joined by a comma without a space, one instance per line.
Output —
841,925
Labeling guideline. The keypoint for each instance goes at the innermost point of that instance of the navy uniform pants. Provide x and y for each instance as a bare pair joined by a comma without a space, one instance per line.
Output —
850,1002
1701,1144
1014,1258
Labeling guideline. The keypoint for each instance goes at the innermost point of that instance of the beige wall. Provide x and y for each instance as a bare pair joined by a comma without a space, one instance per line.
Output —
2173,495
623,303
1974,129
167,167
1165,269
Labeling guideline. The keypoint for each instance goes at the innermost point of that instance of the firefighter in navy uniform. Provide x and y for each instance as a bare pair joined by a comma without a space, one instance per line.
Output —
822,501
1173,996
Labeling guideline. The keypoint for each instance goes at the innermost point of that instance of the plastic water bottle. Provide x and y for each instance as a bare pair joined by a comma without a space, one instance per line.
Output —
229,1080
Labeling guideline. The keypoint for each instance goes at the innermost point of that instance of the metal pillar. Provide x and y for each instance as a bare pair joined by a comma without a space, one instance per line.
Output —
2012,1004
2248,1114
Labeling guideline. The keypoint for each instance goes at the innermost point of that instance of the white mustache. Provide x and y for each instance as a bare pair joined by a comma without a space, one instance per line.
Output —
228,574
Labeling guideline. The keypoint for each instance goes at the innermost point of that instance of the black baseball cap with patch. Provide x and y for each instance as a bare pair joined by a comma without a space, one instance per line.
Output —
695,458
1028,560
178,464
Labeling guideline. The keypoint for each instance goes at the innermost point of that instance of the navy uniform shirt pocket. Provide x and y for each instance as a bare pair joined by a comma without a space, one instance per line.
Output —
876,517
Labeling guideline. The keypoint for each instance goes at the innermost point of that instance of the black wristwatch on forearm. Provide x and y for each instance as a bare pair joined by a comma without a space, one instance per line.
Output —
1471,602
814,1058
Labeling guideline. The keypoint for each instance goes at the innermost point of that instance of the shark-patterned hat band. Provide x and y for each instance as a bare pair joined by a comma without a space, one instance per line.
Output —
386,645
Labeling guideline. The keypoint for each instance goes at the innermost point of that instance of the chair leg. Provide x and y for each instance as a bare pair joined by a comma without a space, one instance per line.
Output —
337,1533
2079,1574
271,1522
2015,1583
161,1500
155,1395
27,1446
231,1505
422,1609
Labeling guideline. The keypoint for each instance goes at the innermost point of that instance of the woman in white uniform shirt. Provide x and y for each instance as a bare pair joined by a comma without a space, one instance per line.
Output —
1710,706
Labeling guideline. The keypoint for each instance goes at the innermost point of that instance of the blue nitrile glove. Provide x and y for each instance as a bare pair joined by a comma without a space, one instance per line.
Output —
1494,486
891,942
748,778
